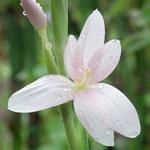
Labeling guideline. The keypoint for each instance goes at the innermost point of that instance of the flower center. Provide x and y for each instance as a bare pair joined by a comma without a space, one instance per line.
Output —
82,83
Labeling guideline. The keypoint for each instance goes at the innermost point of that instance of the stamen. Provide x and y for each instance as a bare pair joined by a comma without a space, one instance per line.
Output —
82,84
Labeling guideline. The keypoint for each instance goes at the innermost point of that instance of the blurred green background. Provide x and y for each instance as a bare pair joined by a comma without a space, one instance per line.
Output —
21,62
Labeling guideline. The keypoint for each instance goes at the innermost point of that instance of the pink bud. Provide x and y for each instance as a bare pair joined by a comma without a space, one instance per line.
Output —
34,13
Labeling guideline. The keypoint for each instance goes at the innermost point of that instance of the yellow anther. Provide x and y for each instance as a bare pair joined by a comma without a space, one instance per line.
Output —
82,84
87,72
79,86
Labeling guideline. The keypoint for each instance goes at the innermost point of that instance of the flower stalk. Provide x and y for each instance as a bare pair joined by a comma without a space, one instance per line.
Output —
83,137
59,12
46,46
65,110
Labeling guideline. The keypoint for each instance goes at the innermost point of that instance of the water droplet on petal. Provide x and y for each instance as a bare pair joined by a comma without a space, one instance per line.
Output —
66,89
108,132
118,123
119,94
58,97
81,69
83,36
127,106
97,32
116,100
24,13
110,57
91,123
39,6
100,86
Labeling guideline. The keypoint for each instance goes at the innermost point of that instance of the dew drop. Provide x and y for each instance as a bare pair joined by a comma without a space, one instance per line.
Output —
108,132
110,57
97,32
24,13
91,123
119,94
83,36
48,45
58,97
81,69
100,86
118,123
38,5
65,89
127,106
117,101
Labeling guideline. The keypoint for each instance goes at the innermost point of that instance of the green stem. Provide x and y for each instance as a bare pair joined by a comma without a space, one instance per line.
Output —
51,65
59,14
84,145
65,110
84,138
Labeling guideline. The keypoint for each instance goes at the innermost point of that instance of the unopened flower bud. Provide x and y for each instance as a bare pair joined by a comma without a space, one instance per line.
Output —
34,13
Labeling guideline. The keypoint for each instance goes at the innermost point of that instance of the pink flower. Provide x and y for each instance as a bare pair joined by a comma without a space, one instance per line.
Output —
101,108
34,13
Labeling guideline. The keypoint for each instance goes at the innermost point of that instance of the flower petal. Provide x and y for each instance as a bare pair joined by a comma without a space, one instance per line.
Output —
120,112
46,92
34,12
105,60
73,58
92,36
90,111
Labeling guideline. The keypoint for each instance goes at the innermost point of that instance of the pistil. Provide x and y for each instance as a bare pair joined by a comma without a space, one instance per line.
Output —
82,83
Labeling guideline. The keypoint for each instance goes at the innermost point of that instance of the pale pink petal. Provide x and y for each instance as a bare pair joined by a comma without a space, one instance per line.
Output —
119,112
73,58
34,12
46,92
92,36
105,60
91,112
